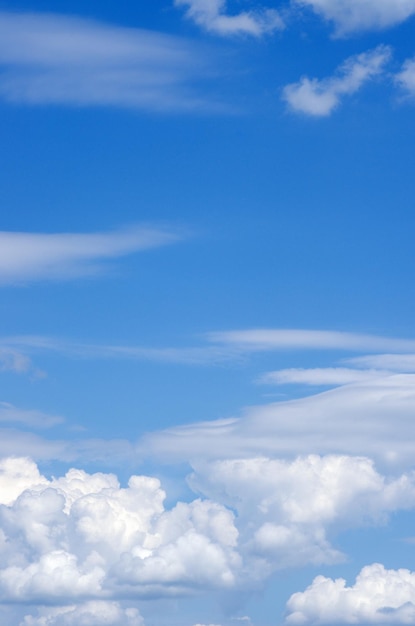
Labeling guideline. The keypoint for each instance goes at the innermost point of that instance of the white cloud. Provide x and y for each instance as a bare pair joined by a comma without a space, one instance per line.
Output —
379,596
38,256
267,339
406,77
320,97
357,15
212,16
287,508
321,376
391,362
82,537
55,59
373,418
37,419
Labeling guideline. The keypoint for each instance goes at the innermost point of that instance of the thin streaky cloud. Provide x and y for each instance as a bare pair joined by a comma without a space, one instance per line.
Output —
392,362
227,347
58,59
212,16
268,339
320,376
204,355
319,98
10,414
26,257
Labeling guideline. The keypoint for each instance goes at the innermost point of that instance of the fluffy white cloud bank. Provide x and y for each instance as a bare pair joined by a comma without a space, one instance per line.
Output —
38,256
320,98
212,16
379,596
70,540
350,16
54,59
81,549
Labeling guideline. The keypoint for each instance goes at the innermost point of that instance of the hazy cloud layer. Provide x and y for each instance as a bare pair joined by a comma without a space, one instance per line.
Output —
373,418
320,97
55,59
93,613
28,257
11,415
379,596
212,15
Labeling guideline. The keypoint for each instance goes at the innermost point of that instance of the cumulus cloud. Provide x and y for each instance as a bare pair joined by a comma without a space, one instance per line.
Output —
287,509
319,98
359,15
56,59
373,418
38,256
80,537
379,596
212,16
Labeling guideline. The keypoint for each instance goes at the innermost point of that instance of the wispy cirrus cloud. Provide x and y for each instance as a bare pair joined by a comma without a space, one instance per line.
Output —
212,15
319,98
268,339
57,59
26,257
226,347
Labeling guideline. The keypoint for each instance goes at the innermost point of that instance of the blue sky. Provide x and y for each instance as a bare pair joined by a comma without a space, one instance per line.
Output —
207,352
